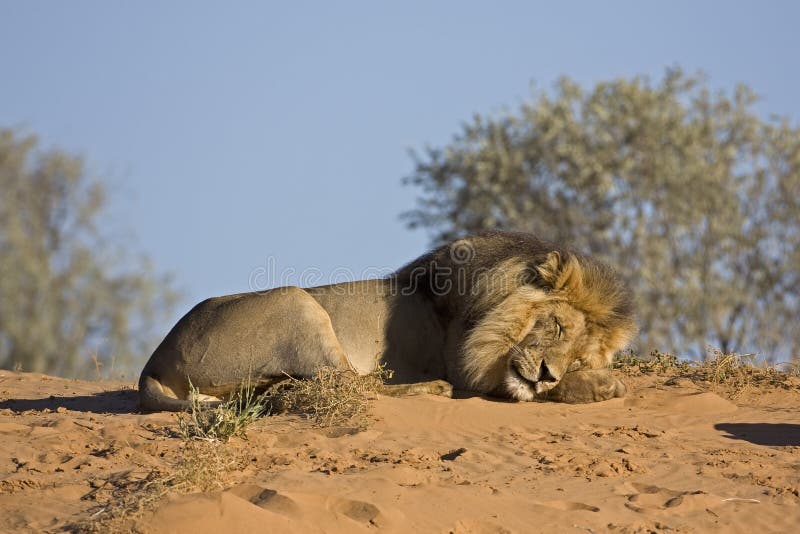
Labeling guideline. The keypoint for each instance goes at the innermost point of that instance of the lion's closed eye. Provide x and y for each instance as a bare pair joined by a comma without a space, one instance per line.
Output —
574,366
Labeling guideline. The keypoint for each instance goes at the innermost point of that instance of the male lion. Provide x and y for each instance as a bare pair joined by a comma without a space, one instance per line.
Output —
504,314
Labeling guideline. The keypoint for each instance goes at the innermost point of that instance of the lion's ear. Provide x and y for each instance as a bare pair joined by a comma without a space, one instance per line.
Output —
548,271
561,273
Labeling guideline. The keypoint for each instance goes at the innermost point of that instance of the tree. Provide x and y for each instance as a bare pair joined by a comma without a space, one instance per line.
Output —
68,295
691,194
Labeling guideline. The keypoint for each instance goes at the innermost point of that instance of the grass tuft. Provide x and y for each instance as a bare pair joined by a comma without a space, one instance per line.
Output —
332,397
205,421
125,497
728,373
736,374
791,368
656,363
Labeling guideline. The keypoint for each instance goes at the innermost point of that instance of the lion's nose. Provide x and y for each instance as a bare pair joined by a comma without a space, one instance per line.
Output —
545,375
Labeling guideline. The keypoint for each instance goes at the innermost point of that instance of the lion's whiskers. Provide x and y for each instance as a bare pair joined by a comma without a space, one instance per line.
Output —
515,348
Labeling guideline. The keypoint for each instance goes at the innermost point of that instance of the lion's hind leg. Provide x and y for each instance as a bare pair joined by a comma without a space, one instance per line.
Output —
225,342
431,387
312,341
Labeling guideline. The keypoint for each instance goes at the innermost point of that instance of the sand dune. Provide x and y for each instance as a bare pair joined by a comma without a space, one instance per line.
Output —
666,458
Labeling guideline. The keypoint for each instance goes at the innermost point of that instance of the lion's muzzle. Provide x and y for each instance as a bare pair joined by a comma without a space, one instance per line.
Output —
537,378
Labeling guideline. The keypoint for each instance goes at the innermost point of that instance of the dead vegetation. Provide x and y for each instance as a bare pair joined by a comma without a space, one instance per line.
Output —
332,398
220,422
656,363
730,374
124,497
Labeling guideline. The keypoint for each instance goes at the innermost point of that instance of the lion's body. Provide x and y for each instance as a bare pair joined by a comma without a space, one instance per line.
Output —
418,330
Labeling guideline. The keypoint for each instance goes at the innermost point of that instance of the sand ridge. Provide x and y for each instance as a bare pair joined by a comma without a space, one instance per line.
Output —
665,458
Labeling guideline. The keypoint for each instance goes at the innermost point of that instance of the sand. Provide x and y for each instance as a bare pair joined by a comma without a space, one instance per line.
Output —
675,457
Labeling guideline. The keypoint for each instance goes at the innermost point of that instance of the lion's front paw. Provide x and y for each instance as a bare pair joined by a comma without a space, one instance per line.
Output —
432,387
620,389
587,386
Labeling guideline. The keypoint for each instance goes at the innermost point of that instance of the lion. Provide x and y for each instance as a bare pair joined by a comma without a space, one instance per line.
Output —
502,314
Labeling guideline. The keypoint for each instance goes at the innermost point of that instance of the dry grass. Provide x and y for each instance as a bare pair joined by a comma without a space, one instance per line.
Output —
656,363
126,497
791,368
231,418
333,397
730,374
205,464
738,374
123,497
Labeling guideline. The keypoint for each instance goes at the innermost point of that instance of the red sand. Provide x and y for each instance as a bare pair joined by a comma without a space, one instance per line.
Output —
665,458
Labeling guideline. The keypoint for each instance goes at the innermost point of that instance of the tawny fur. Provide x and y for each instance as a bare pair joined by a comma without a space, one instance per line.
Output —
501,289
508,304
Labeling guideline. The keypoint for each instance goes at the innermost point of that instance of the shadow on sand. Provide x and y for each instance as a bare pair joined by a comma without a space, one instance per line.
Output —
116,402
772,434
126,401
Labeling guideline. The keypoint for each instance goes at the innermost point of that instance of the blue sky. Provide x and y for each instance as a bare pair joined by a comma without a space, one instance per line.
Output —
234,132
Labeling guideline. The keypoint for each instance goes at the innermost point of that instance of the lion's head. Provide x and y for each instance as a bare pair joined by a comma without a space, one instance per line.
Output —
531,311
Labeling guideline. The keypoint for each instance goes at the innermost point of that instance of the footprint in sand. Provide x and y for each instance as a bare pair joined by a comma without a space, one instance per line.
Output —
266,498
652,498
319,505
361,511
275,502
